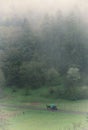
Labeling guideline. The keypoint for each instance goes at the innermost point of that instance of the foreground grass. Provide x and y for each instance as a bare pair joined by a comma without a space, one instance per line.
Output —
24,119
14,118
44,120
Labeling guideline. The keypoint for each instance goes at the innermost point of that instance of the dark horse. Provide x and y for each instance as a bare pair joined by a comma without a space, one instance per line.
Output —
51,107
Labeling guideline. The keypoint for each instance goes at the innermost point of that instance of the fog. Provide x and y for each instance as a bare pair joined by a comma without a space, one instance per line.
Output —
22,7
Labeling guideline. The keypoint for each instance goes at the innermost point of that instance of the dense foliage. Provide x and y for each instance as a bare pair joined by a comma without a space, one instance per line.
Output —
55,57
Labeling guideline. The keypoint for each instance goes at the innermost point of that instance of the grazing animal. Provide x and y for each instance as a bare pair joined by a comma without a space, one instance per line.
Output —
51,107
48,107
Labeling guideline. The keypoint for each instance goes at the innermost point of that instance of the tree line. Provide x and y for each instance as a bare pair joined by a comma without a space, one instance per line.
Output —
55,57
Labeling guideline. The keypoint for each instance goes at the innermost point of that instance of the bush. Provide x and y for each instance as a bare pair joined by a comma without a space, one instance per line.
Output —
77,93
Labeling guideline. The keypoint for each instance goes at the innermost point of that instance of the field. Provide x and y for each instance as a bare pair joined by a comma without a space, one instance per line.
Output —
29,113
24,119
43,120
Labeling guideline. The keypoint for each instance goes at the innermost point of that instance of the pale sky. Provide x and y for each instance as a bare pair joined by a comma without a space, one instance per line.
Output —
8,7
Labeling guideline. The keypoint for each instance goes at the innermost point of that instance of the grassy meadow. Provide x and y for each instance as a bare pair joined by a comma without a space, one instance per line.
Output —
42,120
20,112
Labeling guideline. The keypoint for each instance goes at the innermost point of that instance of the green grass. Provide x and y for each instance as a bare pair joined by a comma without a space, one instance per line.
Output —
44,120
40,119
19,98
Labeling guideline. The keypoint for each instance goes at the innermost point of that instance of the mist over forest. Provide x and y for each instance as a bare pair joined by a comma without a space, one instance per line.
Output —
46,50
